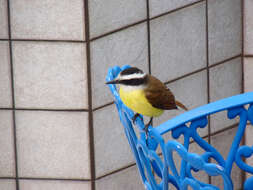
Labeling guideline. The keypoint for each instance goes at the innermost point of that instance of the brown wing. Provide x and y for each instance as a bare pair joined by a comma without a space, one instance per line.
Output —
158,95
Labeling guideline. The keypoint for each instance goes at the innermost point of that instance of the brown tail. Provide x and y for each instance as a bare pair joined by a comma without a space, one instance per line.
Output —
181,105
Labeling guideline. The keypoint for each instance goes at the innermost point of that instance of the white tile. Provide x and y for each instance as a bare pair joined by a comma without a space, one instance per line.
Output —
53,185
191,91
162,6
248,74
7,184
225,81
3,19
248,27
127,179
223,146
113,14
112,150
53,144
47,19
178,43
50,75
5,76
121,48
224,29
7,158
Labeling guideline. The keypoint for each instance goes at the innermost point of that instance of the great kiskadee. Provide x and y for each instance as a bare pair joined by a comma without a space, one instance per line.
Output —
144,94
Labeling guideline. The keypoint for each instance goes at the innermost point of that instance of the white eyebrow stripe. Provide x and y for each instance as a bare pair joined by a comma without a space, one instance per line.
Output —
132,76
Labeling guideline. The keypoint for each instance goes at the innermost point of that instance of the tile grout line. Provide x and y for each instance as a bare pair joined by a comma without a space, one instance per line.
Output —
90,116
243,174
45,109
208,82
13,97
148,37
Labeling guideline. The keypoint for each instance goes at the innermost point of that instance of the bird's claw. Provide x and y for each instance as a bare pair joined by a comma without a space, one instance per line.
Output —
135,117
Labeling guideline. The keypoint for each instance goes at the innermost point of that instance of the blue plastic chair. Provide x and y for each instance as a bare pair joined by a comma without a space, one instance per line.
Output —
151,164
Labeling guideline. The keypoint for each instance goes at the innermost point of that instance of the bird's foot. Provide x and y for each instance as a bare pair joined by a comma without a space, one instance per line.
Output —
135,117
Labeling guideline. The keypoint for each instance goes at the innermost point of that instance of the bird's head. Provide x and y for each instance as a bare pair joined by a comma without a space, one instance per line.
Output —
131,77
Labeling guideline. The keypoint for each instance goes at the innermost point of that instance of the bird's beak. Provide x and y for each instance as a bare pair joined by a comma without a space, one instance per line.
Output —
113,82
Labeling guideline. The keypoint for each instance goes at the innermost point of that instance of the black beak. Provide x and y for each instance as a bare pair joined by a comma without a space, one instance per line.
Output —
112,82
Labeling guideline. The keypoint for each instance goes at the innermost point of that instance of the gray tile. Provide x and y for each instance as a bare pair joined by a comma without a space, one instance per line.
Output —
127,179
5,76
248,74
178,43
53,185
112,150
113,14
7,184
7,158
121,48
225,81
248,27
48,19
3,19
223,146
50,75
163,6
53,144
249,142
224,29
192,92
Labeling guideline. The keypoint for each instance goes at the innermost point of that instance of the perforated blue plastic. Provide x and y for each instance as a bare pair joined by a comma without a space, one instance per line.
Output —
151,164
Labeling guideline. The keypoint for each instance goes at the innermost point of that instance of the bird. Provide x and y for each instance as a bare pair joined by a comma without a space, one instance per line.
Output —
145,94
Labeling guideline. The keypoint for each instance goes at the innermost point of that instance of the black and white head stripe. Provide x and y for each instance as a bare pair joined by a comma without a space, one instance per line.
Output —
131,70
132,76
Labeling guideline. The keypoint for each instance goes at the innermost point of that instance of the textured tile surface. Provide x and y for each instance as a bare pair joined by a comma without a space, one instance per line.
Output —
121,48
112,150
5,75
7,184
53,185
225,81
50,75
53,144
224,29
163,6
249,142
178,43
222,143
7,160
48,19
127,179
196,86
3,19
113,14
248,74
248,27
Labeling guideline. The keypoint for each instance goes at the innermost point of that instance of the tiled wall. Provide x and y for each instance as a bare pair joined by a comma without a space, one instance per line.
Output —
59,129
248,62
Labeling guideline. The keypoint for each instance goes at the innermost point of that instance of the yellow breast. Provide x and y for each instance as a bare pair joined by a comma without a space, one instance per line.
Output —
136,100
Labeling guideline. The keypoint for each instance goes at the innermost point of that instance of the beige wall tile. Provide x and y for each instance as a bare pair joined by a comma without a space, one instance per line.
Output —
178,43
47,19
248,74
248,27
53,144
113,14
50,75
5,76
224,29
7,158
7,184
3,19
53,185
